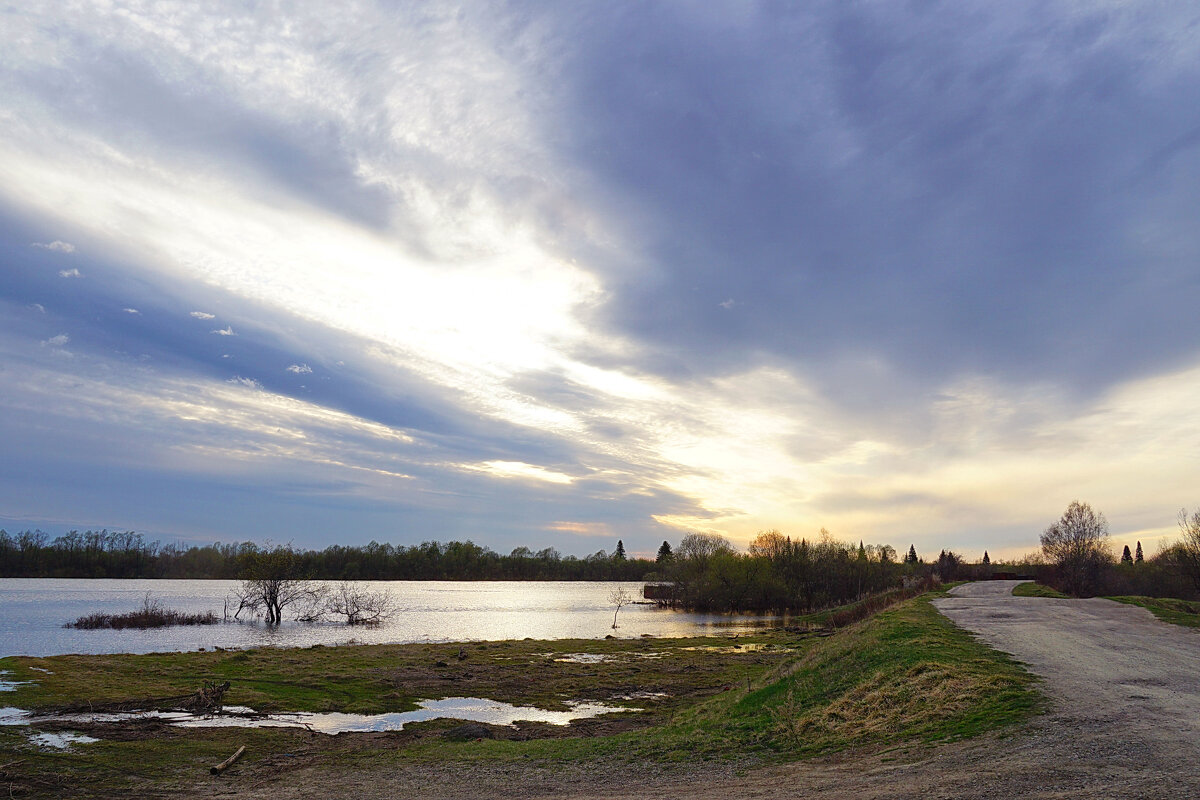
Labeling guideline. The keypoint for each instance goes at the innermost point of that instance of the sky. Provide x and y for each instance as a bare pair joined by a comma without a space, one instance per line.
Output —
558,274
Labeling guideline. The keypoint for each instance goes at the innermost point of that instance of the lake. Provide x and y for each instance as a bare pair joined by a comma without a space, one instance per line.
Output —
34,610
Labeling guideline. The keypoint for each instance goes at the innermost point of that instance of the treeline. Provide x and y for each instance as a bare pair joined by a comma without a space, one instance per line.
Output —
125,554
777,574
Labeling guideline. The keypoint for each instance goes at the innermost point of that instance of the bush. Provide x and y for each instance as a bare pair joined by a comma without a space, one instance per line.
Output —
152,614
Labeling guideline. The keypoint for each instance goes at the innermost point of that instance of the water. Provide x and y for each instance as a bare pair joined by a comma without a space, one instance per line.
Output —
34,611
471,709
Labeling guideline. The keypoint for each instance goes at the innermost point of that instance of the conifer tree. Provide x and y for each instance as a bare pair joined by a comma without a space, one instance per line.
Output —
911,558
1138,557
986,560
664,553
619,555
1126,556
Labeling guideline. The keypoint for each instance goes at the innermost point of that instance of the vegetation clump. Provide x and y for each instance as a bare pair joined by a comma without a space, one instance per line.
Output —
152,614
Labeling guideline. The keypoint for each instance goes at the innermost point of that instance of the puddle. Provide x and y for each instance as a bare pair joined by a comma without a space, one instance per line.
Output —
13,716
470,709
7,685
61,741
641,696
583,658
752,647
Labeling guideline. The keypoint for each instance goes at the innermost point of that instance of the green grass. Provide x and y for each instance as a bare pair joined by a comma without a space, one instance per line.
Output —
904,675
1031,589
1168,609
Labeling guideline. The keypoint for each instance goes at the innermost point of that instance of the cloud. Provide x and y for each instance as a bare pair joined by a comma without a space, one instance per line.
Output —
56,246
38,307
131,311
70,273
57,341
248,383
203,315
519,469
226,331
300,369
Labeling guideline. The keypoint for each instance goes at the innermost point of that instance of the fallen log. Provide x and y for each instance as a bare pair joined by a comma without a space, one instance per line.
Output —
224,765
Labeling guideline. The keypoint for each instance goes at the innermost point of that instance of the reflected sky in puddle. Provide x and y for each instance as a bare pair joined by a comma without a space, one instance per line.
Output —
471,709
62,740
7,685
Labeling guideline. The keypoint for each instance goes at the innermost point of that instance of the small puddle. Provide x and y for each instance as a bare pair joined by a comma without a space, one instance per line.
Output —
470,709
583,658
61,741
7,685
751,647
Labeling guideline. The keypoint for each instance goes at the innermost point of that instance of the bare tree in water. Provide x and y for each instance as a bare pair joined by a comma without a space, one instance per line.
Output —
272,581
618,597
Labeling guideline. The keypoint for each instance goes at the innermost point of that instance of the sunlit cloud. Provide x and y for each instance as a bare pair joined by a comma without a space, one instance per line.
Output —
521,470
131,311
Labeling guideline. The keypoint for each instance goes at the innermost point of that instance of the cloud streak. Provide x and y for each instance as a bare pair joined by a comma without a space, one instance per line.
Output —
925,273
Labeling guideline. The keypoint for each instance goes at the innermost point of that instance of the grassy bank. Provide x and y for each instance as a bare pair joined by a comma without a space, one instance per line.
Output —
1168,609
904,675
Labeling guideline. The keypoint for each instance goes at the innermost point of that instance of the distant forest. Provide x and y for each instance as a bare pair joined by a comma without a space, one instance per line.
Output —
125,554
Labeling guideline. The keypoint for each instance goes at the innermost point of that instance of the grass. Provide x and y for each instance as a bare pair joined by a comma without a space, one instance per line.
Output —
1168,609
1031,589
903,675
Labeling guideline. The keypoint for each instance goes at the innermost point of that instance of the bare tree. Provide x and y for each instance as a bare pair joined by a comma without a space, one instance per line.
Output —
271,581
359,605
1186,553
1077,544
618,597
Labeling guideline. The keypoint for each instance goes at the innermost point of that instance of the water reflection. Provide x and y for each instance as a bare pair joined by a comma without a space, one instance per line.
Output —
470,709
431,611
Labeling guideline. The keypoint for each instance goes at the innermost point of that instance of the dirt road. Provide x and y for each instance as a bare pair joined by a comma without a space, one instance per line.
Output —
1125,723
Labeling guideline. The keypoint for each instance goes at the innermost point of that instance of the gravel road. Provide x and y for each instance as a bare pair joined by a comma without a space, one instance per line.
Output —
1124,723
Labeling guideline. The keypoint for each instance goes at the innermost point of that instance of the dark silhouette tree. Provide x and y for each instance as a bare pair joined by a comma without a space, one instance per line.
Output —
911,558
1126,556
986,560
664,553
1138,557
619,553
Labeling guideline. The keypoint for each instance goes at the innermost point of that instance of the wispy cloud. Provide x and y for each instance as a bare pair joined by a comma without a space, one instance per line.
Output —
202,315
57,341
131,311
519,469
70,273
56,246
226,331
300,369
248,383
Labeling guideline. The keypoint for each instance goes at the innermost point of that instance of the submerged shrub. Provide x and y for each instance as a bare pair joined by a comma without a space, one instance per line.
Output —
152,614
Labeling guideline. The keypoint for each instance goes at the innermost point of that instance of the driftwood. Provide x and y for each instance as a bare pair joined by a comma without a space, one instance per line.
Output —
207,698
224,765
